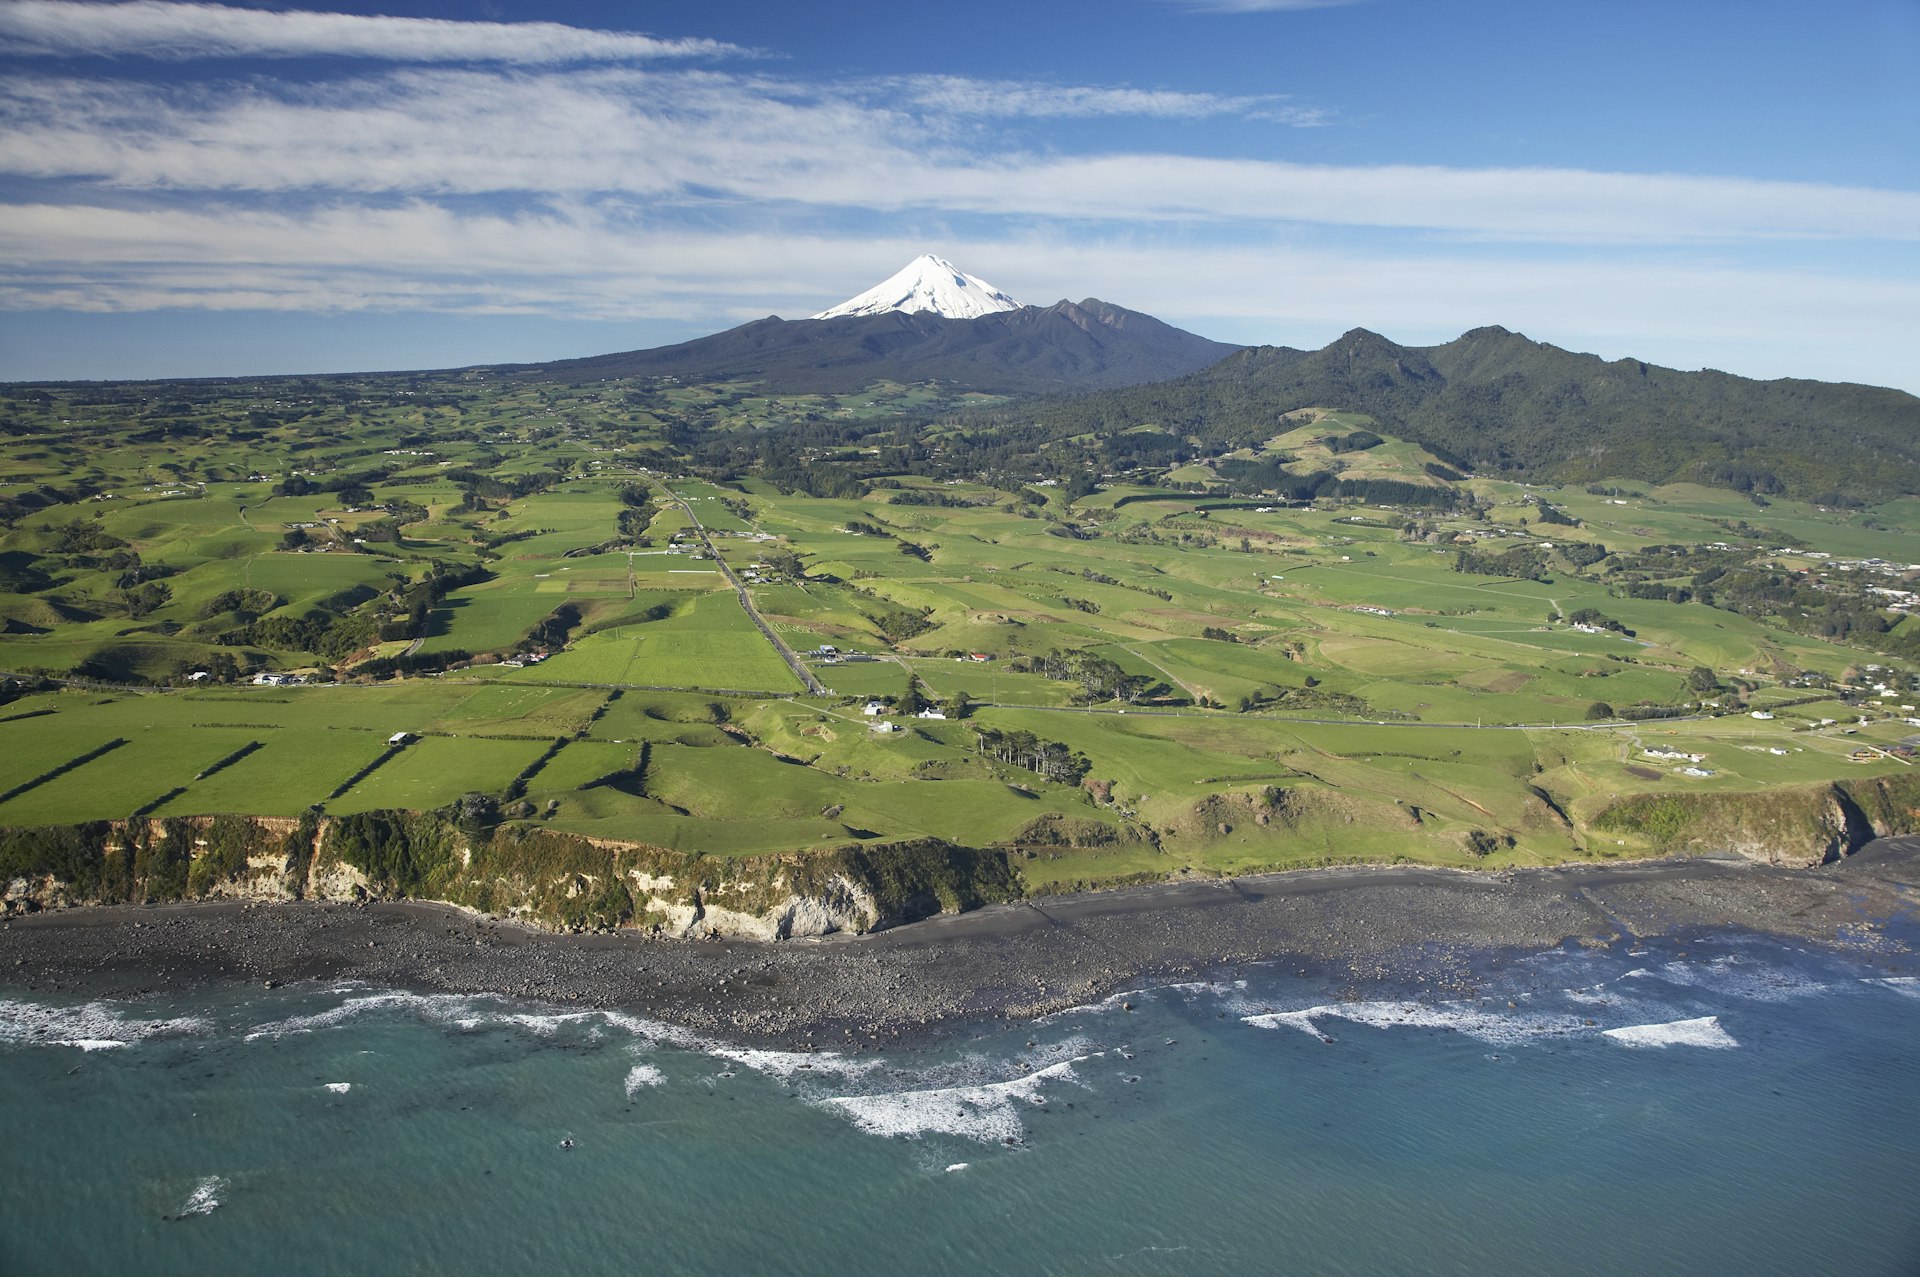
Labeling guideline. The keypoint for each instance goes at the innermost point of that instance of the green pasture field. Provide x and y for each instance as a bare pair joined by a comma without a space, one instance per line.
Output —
1377,717
707,642
870,678
580,763
663,716
293,770
115,784
436,770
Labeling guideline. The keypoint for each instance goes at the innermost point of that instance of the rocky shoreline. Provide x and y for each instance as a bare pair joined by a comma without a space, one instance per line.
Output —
1427,930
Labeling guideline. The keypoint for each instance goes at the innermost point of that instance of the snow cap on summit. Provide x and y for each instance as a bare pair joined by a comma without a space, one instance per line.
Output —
927,283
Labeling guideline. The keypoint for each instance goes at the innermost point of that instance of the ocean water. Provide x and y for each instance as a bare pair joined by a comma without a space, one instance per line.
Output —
1735,1106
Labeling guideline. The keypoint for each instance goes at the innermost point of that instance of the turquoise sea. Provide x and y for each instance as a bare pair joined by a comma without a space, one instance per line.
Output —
1735,1105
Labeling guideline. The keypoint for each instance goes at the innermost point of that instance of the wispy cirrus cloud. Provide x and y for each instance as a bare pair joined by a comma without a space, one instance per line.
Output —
160,29
965,96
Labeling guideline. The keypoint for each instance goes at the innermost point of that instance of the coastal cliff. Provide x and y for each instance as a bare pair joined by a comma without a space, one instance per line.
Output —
1794,827
568,882
538,877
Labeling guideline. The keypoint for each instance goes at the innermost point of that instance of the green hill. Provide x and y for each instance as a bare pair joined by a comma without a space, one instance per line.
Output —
1500,402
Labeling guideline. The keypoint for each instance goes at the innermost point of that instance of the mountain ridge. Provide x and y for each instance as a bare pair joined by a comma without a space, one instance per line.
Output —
1063,348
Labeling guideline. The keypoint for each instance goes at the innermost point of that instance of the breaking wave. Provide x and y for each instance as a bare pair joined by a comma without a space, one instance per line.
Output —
94,1026
989,1113
205,1198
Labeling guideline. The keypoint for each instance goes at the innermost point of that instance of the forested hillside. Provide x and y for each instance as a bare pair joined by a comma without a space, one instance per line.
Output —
1501,402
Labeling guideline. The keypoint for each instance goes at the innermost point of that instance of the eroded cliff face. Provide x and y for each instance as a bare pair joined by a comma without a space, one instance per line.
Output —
534,876
1795,827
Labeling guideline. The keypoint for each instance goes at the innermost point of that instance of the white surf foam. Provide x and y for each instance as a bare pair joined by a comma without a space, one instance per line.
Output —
469,1012
480,1012
95,1026
642,1076
1906,984
957,1166
989,1112
205,1198
1739,978
1598,995
1301,1020
1487,1026
352,1009
1704,1031
789,1064
339,1088
1120,1001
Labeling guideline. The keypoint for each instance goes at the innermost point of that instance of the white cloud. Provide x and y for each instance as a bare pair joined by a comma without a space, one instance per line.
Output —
589,263
722,143
157,29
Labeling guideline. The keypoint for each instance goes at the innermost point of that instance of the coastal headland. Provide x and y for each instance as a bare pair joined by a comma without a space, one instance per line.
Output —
1427,930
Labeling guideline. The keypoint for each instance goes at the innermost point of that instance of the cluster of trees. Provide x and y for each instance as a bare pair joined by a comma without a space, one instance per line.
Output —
1355,441
636,512
325,634
898,624
1841,615
1050,759
1547,513
1597,619
410,607
1099,678
1523,561
351,487
1266,475
480,486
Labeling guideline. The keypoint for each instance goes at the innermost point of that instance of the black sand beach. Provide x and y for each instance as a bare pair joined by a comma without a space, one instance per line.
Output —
1428,930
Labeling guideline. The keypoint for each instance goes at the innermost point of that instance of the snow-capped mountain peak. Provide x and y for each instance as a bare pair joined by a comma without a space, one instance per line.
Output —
927,283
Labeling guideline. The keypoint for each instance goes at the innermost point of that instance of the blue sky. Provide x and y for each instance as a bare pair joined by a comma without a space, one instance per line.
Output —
198,189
